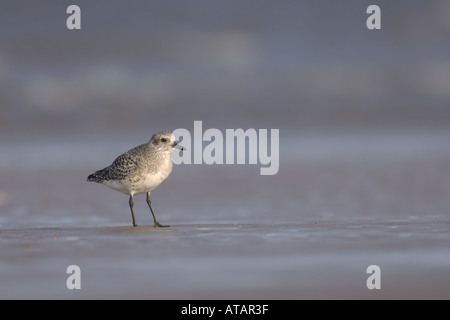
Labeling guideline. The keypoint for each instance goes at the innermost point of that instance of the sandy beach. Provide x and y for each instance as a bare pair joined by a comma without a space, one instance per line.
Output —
305,261
379,201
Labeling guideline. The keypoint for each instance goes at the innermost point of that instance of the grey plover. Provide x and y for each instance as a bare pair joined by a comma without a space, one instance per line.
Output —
140,170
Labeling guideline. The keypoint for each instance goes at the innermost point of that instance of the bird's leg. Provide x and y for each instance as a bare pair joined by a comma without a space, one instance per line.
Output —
132,211
157,224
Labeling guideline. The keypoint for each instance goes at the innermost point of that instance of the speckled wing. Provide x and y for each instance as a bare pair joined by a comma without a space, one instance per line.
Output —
121,168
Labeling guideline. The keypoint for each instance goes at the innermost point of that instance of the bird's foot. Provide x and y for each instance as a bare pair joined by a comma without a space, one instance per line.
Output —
158,225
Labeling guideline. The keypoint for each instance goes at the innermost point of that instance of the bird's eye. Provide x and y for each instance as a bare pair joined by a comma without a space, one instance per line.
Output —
163,139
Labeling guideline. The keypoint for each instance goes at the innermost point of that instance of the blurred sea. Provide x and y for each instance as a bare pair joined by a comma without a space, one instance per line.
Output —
302,64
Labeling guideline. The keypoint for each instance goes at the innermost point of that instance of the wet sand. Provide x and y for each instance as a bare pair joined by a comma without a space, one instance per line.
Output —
326,260
340,203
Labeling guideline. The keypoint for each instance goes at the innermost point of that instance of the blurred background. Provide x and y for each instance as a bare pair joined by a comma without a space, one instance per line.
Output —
292,65
75,99
364,115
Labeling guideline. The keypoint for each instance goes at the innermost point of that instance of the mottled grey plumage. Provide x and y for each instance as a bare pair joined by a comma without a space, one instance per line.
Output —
122,167
140,170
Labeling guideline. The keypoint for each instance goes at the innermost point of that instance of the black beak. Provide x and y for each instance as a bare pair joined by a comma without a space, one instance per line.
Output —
178,146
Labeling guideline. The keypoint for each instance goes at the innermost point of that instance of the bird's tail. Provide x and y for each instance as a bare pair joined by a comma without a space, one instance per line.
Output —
95,177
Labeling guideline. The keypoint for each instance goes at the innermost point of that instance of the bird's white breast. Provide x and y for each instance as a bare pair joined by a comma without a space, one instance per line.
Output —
149,182
142,181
